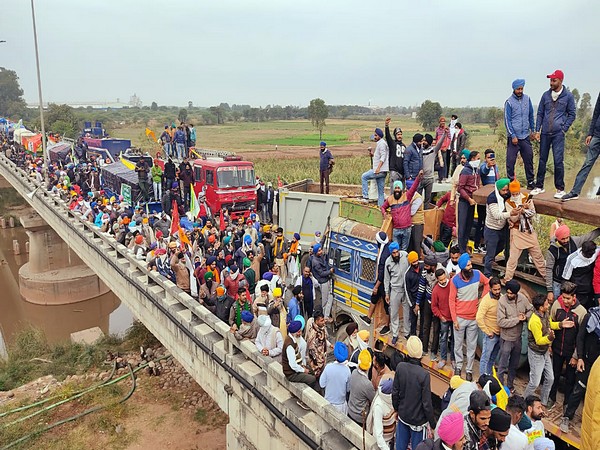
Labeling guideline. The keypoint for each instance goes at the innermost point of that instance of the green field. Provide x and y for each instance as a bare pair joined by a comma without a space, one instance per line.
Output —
307,140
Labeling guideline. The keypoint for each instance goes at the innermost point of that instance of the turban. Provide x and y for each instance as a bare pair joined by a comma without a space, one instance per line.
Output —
294,326
316,248
491,383
429,138
394,246
277,292
382,237
340,351
210,260
247,316
323,144
562,232
247,239
543,443
439,246
451,428
514,187
139,239
220,291
300,319
502,183
208,276
297,236
519,82
246,262
364,360
418,137
463,260
466,153
397,184
173,244
513,286
378,132
386,385
264,321
159,234
456,381
413,257
414,346
363,335
500,420
267,276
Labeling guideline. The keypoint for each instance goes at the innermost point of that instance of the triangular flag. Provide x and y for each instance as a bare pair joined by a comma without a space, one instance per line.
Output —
194,206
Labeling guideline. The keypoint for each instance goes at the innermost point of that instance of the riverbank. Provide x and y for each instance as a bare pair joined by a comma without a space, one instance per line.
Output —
147,414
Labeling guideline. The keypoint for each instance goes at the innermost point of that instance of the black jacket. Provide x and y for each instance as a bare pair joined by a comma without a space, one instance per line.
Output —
411,281
396,152
222,308
411,394
588,344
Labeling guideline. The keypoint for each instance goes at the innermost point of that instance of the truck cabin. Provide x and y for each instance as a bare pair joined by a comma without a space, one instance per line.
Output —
226,184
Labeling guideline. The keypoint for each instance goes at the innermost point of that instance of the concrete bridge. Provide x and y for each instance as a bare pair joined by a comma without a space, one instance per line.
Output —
248,387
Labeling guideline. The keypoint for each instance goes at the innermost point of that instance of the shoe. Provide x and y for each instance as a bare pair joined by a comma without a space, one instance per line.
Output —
538,191
469,376
365,319
433,356
394,340
482,249
385,330
570,196
457,371
441,364
560,194
564,425
530,187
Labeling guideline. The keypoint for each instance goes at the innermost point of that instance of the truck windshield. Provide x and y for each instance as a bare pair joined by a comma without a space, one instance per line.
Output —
235,177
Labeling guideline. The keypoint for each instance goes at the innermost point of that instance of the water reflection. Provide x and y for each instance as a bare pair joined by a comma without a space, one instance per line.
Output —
57,321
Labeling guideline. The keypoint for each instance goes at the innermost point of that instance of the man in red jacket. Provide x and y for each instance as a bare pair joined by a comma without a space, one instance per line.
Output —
441,309
449,218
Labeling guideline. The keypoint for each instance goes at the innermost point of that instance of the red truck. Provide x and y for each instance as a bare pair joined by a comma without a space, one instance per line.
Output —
227,181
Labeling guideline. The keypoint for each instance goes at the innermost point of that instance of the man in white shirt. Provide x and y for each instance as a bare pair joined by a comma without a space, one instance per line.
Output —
379,170
516,439
534,412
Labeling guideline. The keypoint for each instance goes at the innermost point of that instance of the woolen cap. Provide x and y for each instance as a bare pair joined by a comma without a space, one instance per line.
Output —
500,420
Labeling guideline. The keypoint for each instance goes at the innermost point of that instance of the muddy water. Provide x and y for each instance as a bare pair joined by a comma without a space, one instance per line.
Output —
58,322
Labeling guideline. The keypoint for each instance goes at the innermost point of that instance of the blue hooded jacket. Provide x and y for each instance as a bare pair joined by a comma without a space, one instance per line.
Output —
555,116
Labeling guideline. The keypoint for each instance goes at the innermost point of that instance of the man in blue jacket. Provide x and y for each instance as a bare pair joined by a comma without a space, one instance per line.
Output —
556,113
518,119
592,141
413,157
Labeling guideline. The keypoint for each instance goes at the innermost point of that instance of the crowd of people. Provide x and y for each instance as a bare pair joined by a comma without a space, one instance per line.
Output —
250,276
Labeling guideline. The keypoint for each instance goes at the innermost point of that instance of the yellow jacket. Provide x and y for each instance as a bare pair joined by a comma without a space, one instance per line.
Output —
487,315
538,332
590,422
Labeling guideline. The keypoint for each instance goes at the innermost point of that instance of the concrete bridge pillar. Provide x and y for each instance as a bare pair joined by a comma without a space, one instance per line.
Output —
54,275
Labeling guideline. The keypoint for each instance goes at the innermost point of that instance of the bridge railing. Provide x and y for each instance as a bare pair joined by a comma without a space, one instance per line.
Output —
190,317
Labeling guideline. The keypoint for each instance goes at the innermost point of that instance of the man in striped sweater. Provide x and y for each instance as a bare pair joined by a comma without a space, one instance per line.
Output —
464,299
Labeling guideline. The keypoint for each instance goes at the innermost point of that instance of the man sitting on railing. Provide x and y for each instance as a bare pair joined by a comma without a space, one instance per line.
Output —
294,357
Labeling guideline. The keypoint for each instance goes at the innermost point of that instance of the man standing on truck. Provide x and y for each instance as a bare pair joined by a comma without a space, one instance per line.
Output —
378,292
180,139
166,138
399,204
379,170
396,151
464,300
322,272
143,170
325,166
396,266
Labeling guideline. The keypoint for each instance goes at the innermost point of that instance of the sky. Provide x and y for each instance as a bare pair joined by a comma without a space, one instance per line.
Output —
398,53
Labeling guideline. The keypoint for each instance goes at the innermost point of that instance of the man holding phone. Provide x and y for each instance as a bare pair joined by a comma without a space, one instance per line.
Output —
522,233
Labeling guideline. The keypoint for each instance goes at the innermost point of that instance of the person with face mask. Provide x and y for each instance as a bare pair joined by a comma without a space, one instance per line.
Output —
396,266
514,309
398,205
397,149
495,223
557,254
464,300
468,183
522,233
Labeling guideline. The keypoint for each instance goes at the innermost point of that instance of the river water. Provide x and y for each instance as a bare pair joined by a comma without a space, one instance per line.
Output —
57,321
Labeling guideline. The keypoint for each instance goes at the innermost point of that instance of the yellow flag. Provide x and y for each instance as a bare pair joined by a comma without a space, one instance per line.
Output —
126,162
150,134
